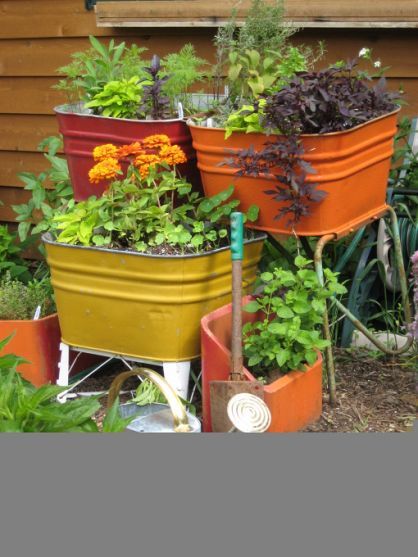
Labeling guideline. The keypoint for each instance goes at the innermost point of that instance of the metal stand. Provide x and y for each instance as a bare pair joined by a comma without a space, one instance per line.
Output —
356,322
177,374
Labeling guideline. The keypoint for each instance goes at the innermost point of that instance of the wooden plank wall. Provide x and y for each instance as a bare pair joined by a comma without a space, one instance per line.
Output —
37,36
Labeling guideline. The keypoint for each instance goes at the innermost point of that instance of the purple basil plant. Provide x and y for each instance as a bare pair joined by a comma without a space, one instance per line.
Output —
330,100
414,325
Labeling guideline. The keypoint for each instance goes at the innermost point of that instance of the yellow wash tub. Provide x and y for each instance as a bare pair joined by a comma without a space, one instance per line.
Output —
145,306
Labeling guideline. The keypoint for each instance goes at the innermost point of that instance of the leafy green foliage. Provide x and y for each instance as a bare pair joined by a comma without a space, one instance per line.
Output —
27,409
19,301
24,408
184,70
116,81
11,255
291,306
404,171
256,57
50,191
92,69
158,214
148,393
118,99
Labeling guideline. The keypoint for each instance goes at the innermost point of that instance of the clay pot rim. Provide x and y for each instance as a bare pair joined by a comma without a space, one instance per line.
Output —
327,134
41,319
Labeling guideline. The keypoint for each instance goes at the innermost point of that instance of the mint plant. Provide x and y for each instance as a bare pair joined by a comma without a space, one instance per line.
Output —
291,308
50,190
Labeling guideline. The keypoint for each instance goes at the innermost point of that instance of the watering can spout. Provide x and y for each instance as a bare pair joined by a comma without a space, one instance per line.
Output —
180,419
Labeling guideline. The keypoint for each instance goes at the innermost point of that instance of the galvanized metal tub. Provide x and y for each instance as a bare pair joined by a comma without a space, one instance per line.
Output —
145,306
82,131
154,418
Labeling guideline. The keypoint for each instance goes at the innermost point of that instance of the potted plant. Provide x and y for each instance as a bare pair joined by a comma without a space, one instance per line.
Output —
309,142
118,97
25,408
281,343
27,311
134,270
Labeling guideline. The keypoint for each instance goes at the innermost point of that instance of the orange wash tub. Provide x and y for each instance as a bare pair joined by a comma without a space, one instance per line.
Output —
352,167
294,400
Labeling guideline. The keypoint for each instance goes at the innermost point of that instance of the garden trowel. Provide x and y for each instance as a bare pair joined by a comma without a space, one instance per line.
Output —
222,391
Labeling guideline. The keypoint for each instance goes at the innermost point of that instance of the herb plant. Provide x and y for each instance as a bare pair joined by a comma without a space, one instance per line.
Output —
151,209
90,70
291,308
256,58
330,100
19,301
118,99
11,259
50,191
27,409
154,101
116,81
184,69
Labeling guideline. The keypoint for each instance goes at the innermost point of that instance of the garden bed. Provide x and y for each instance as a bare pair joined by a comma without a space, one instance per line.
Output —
374,394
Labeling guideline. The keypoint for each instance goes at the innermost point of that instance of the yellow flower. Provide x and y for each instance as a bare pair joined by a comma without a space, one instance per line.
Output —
172,155
156,141
104,170
103,152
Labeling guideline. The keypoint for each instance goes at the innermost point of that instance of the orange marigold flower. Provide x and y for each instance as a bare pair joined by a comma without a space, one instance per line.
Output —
146,159
103,152
144,171
172,155
104,170
132,149
156,141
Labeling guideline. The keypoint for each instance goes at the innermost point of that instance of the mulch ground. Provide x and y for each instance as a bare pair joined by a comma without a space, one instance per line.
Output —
374,394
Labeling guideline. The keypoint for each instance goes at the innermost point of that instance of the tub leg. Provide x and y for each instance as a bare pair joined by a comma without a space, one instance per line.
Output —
64,365
178,374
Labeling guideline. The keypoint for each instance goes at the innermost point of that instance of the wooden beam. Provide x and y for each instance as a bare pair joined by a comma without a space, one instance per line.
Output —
200,13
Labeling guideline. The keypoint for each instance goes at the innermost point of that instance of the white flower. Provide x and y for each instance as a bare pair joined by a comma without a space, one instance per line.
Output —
364,52
377,64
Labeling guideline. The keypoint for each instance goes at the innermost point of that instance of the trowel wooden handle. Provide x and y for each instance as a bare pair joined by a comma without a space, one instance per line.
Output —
237,231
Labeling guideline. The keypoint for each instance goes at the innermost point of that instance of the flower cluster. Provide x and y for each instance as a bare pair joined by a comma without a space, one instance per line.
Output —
153,150
414,326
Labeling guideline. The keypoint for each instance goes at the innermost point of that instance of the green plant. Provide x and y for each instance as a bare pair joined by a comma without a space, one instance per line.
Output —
184,70
292,306
11,255
148,393
92,69
50,191
118,99
19,301
256,58
404,171
27,409
116,81
152,209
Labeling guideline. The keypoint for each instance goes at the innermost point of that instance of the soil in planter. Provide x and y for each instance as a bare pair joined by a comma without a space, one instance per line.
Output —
374,395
